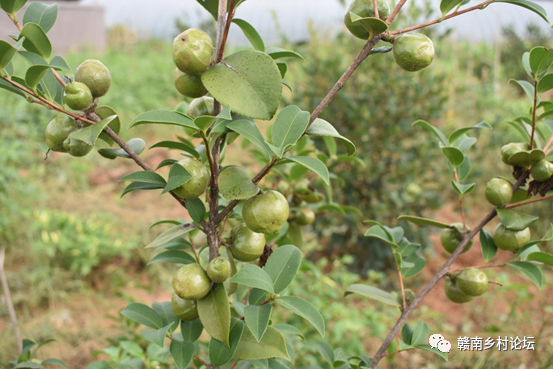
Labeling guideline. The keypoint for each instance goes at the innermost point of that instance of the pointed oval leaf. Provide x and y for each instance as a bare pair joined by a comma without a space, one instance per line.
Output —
137,145
235,183
254,277
424,221
374,26
272,345
372,293
249,81
90,134
251,34
420,334
542,257
489,249
250,131
144,176
314,165
143,314
173,256
12,6
448,5
515,221
454,155
157,336
182,352
257,319
435,131
43,15
278,53
36,40
191,330
214,311
529,270
463,188
283,265
321,127
220,354
460,132
304,309
140,186
178,175
196,209
528,5
7,52
171,234
290,124
168,117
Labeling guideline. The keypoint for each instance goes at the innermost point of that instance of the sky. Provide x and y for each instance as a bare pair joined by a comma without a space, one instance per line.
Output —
157,18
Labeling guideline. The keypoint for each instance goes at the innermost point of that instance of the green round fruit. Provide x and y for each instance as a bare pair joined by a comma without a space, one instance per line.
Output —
219,269
472,282
266,213
189,85
542,171
78,96
413,51
512,148
364,9
190,282
499,192
454,294
192,51
202,106
95,75
57,132
196,185
452,237
183,309
508,240
409,297
247,245
77,148
304,216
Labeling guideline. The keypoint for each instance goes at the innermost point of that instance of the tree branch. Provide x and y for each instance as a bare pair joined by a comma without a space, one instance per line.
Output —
395,12
452,15
441,273
522,203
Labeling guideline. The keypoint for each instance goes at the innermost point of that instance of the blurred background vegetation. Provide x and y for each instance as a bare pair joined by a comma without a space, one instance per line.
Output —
75,250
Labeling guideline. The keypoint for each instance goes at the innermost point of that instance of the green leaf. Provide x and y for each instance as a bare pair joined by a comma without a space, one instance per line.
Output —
515,221
374,26
448,5
165,311
526,86
528,5
220,354
288,329
326,351
143,314
372,293
424,221
236,184
321,127
145,177
546,83
254,277
196,209
381,50
427,347
304,309
7,52
164,117
278,53
173,256
283,265
137,145
272,345
178,175
43,15
191,330
135,186
214,310
257,319
249,81
157,336
542,257
381,232
420,334
529,270
314,165
418,261
250,131
170,235
540,60
57,362
182,353
204,122
435,131
166,163
250,33
462,188
454,156
35,74
90,134
36,40
290,124
407,333
212,6
12,6
460,132
489,249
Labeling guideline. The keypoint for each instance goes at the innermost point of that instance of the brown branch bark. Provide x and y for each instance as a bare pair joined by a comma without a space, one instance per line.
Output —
435,21
395,12
432,283
522,203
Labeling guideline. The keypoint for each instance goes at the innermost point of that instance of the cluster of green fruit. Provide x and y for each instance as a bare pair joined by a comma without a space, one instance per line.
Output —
466,285
92,81
412,51
192,52
303,194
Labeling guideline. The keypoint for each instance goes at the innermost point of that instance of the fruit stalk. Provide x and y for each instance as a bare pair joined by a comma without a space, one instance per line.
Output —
435,21
441,273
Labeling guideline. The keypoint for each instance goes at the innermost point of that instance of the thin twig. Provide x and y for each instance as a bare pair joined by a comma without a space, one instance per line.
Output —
441,273
435,21
395,12
404,305
480,267
522,203
534,115
9,302
375,6
461,203
230,14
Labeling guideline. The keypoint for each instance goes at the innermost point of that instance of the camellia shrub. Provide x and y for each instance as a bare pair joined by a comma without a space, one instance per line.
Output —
239,252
